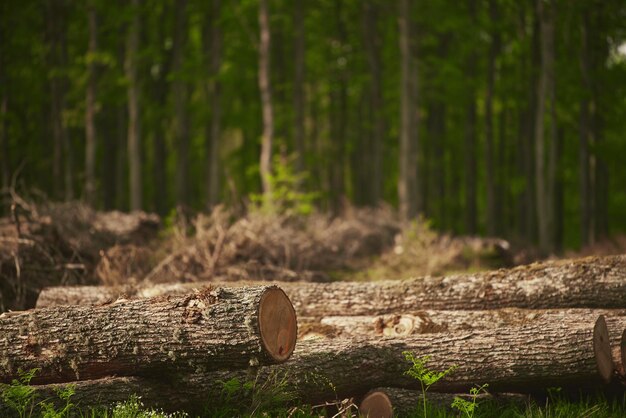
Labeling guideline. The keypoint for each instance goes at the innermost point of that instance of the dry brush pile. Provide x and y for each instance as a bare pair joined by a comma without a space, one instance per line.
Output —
520,330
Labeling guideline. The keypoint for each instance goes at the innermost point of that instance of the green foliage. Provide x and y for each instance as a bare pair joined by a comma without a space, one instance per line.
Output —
249,398
19,395
287,197
425,376
469,407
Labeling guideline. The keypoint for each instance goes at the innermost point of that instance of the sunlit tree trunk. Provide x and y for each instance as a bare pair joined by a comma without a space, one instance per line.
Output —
133,138
90,108
265,165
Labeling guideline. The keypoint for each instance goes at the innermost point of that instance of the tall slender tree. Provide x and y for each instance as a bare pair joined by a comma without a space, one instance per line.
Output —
180,96
545,164
299,83
90,107
213,50
266,101
407,180
134,132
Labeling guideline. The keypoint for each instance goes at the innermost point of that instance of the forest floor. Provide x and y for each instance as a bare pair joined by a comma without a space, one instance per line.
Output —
51,244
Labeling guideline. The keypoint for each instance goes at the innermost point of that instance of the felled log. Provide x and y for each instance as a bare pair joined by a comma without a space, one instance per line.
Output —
538,355
592,282
430,321
209,330
531,357
395,402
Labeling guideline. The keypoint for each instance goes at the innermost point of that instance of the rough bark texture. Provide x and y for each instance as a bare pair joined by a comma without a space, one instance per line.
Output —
591,282
531,357
426,322
390,402
208,330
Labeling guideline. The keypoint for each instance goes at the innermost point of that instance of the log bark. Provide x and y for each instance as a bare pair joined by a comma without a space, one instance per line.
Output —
394,402
429,321
592,282
533,357
208,330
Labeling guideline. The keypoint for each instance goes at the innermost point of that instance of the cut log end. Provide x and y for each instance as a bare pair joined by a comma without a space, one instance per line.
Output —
602,349
277,324
376,405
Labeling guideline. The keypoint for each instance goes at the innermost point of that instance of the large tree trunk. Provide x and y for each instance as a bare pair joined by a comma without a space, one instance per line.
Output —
134,140
531,357
393,402
592,282
265,165
407,180
208,330
179,91
90,109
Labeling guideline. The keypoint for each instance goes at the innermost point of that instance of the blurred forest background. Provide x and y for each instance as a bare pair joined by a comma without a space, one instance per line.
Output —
494,117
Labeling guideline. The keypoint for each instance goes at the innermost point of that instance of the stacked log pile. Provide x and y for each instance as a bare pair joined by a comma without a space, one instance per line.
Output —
521,330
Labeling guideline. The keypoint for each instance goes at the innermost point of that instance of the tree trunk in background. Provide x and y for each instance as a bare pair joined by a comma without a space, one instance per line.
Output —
339,119
600,54
159,94
543,174
90,109
470,137
179,91
407,180
213,50
54,35
587,230
494,50
265,164
134,140
373,48
298,84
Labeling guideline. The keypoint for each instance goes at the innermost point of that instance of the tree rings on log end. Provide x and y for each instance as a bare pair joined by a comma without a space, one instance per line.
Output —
376,405
602,349
277,324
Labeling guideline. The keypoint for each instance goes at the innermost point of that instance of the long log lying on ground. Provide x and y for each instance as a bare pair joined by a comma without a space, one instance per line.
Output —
212,329
429,321
394,402
531,357
592,282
